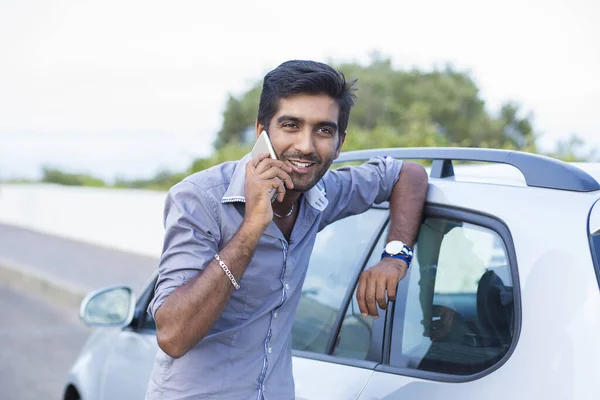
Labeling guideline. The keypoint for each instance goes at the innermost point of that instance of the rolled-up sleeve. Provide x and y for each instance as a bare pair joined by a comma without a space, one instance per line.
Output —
192,235
353,190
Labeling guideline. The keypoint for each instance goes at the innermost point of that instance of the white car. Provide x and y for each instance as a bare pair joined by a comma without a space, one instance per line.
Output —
502,299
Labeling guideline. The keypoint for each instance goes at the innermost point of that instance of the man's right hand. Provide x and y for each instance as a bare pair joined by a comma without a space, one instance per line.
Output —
265,177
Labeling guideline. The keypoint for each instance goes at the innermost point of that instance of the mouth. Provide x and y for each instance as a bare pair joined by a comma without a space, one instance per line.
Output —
301,167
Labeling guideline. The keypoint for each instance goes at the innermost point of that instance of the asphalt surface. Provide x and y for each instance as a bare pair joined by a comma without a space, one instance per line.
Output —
40,340
42,281
79,265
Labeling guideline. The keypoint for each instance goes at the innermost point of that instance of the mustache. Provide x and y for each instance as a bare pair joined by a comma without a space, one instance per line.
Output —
299,156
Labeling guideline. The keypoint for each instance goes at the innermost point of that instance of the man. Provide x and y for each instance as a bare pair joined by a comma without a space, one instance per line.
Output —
234,261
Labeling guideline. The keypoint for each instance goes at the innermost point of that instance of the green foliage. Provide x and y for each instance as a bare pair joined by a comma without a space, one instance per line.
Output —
573,149
240,114
231,151
19,181
161,181
439,107
53,175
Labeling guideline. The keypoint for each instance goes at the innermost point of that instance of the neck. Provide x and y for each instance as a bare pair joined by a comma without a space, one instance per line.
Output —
289,200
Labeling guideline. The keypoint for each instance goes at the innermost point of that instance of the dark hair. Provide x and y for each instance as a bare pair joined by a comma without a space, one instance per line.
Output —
305,77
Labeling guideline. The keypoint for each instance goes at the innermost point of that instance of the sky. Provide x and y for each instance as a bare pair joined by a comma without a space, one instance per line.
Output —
127,88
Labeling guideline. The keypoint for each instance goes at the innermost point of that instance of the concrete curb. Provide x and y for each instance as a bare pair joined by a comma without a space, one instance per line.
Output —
26,278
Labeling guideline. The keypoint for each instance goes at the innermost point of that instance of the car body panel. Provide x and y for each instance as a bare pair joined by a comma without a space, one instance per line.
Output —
315,379
86,373
128,366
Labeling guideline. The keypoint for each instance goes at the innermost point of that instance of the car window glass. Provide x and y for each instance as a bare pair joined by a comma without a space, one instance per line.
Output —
354,338
335,259
459,312
147,322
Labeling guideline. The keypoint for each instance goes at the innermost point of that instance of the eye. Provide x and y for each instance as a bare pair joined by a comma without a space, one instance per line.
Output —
289,125
325,131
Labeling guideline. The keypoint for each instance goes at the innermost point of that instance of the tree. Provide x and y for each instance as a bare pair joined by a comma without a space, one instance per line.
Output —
442,106
239,115
53,175
573,149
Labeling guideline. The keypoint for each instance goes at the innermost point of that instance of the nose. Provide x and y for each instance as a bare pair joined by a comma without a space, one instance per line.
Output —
304,142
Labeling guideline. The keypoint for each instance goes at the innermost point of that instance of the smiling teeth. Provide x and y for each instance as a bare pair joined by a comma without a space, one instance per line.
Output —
300,165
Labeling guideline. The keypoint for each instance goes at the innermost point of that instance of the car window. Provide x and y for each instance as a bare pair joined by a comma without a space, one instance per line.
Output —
336,257
354,338
147,322
458,316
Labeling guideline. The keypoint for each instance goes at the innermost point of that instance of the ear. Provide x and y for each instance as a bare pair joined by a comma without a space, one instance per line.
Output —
259,128
340,144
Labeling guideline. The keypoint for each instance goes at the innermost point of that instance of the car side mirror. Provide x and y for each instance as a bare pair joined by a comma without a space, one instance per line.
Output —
109,307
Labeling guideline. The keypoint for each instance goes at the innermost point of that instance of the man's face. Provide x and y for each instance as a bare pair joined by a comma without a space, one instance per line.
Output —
304,133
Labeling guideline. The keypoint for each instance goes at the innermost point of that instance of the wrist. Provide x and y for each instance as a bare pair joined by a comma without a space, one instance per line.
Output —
253,223
400,264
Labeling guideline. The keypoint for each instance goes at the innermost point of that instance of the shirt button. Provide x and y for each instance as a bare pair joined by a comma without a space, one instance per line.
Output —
275,315
270,350
287,286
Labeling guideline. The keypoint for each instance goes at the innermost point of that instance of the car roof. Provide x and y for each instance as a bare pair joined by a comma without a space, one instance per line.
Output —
538,171
505,174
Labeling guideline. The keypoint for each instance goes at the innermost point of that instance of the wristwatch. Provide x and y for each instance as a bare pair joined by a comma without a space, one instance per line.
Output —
397,249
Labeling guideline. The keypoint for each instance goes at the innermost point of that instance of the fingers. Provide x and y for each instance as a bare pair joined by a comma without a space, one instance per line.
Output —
380,286
366,295
278,185
377,286
281,175
268,168
391,289
370,299
360,295
253,164
264,163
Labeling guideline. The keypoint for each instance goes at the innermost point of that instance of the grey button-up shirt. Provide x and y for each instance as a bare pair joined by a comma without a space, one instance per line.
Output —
248,352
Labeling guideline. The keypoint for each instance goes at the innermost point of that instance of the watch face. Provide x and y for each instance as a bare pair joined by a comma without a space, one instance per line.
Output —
394,247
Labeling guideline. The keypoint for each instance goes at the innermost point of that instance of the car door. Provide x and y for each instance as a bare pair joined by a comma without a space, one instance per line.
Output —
457,316
131,358
335,348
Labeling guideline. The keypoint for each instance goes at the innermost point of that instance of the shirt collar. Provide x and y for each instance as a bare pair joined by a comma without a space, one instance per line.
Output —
316,196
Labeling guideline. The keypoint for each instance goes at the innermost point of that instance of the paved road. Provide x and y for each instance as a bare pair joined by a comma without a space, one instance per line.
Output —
39,340
40,332
79,264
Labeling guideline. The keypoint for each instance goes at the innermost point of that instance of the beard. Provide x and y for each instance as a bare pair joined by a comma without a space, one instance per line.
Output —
305,182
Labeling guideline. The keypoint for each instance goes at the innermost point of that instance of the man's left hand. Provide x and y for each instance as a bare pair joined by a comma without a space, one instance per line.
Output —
376,281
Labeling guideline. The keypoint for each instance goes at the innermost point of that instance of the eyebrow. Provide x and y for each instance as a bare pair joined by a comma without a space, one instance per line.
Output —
329,124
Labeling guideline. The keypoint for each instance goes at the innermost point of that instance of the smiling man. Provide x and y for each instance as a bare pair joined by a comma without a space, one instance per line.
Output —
234,259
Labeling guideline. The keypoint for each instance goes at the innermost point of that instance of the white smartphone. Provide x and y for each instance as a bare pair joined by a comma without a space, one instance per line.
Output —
263,145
